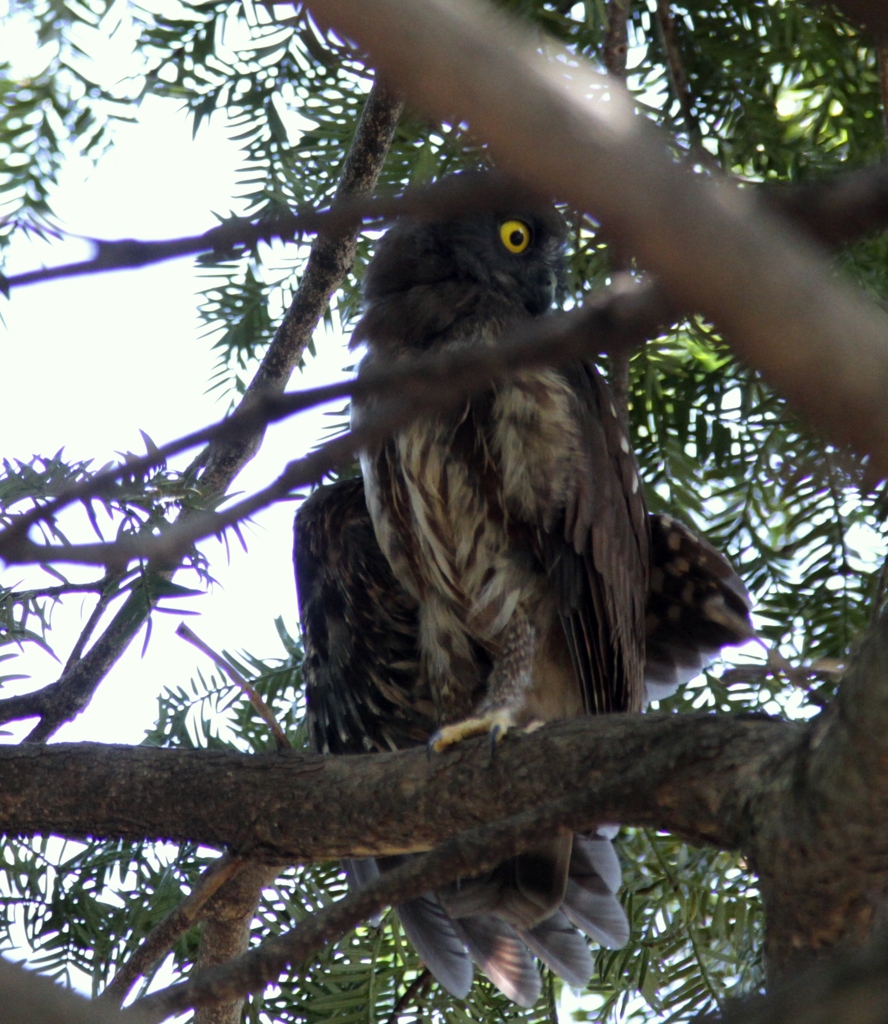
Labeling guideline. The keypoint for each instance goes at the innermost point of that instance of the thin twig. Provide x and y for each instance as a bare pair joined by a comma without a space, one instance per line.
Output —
678,78
21,596
327,264
346,214
262,709
158,942
410,993
108,593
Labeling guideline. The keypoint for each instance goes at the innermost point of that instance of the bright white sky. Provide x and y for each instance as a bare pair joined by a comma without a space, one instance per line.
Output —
89,362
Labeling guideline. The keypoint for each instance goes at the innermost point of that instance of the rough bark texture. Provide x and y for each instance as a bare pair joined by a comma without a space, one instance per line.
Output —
226,934
691,774
820,842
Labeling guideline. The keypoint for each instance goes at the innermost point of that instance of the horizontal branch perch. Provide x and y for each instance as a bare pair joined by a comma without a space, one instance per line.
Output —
690,774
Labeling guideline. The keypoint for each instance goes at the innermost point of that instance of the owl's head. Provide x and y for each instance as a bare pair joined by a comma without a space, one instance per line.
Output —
462,277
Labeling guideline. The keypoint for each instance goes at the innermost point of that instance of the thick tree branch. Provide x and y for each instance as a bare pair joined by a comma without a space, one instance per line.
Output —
689,774
225,936
28,998
714,779
714,249
847,989
821,861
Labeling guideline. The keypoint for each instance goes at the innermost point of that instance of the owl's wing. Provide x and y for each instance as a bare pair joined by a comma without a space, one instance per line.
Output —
696,605
360,631
596,549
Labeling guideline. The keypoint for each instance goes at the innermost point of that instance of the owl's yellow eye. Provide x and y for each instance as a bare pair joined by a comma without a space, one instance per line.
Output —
515,235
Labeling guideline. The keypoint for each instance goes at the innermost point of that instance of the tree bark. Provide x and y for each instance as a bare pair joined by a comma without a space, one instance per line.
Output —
695,775
805,802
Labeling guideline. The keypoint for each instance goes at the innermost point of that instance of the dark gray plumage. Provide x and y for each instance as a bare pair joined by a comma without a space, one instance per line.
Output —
508,585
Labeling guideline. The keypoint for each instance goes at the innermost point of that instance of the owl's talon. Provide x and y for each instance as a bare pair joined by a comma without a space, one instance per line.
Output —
495,735
494,724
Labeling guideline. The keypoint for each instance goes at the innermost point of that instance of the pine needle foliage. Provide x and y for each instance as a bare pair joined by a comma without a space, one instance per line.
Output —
778,91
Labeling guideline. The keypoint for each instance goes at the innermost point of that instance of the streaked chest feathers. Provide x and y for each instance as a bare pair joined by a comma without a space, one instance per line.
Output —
453,499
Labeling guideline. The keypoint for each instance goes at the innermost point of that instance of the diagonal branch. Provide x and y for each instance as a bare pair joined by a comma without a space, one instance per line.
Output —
564,129
328,262
158,942
678,78
477,850
834,211
330,259
617,319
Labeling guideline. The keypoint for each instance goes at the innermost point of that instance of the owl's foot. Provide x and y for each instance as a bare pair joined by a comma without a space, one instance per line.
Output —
494,723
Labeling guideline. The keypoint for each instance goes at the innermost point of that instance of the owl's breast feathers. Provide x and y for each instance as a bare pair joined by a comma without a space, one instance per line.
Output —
527,499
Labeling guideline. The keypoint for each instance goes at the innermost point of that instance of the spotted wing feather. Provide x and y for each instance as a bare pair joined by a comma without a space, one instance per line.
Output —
696,605
359,627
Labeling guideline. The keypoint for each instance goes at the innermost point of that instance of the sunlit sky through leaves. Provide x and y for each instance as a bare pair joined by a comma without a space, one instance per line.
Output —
89,362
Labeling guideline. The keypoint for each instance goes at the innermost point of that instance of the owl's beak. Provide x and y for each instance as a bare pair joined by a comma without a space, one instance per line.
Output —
541,292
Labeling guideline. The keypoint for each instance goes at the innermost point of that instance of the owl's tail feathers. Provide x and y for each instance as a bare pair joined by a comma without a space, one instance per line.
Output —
590,902
502,955
438,942
696,605
561,948
523,890
474,919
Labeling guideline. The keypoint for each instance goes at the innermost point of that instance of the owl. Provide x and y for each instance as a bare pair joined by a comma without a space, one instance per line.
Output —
501,581
366,693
